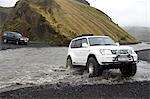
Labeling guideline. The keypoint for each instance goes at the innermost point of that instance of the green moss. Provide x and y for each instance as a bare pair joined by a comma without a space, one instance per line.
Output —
124,38
6,9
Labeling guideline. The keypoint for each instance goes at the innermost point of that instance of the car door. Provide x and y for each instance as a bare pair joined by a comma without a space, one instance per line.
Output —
84,52
9,36
14,36
76,51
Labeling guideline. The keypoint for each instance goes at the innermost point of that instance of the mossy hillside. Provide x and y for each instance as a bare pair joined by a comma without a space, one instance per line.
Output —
58,21
4,15
5,9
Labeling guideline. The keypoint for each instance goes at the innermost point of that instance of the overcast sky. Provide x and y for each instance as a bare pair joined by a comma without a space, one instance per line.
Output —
123,12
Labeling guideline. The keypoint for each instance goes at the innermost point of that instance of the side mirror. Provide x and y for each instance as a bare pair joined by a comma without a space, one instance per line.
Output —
84,45
117,43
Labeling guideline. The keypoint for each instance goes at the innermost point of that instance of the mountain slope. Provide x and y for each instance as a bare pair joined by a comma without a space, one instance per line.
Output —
141,33
58,21
4,13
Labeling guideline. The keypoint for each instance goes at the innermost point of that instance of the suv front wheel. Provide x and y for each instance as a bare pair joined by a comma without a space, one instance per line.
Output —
93,68
17,42
129,70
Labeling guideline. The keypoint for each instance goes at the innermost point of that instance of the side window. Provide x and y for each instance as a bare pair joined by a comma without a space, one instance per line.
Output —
78,43
9,34
13,35
84,40
73,44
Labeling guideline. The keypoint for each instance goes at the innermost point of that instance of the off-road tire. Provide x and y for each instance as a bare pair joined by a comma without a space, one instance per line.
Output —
5,41
128,70
93,68
25,43
17,42
69,63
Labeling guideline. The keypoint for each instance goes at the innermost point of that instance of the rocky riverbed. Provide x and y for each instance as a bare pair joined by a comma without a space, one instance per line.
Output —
35,71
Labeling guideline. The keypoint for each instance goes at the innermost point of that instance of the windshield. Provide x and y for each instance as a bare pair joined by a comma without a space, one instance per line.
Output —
18,35
101,41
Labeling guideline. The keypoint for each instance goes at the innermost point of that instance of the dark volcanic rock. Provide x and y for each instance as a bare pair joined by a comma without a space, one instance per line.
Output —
134,90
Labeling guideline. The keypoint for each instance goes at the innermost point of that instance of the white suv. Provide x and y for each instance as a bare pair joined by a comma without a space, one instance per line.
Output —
101,52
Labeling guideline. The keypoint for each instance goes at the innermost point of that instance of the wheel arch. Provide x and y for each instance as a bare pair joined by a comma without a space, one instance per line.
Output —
69,56
91,55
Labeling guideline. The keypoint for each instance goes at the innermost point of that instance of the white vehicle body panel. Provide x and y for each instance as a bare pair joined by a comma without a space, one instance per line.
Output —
79,56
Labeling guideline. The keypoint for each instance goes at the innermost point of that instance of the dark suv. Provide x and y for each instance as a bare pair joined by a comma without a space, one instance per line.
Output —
14,37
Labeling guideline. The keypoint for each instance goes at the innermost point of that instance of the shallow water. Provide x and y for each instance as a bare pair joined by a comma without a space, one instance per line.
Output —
47,65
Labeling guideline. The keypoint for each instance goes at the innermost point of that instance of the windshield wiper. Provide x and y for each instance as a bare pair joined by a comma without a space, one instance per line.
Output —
109,44
96,44
101,44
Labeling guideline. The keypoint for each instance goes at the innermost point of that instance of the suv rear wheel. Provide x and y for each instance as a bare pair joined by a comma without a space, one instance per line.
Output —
69,63
25,43
129,70
93,68
5,41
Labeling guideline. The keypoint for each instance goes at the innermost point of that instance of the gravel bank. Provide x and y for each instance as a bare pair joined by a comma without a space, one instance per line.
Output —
144,55
136,90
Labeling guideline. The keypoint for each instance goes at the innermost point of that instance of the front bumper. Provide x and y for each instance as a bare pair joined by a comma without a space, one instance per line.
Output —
116,59
24,41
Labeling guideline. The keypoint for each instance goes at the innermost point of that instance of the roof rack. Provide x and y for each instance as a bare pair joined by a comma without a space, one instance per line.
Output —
85,35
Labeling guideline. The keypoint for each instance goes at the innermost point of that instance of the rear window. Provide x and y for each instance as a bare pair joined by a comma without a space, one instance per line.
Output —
84,40
10,34
73,44
76,44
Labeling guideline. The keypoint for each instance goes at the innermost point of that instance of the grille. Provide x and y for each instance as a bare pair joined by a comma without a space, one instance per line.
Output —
123,51
119,51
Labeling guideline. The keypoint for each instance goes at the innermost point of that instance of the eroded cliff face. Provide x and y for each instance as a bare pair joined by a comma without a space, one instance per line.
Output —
4,15
58,21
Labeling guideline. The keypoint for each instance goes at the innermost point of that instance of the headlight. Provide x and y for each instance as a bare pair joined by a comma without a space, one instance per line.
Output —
27,39
105,51
21,39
